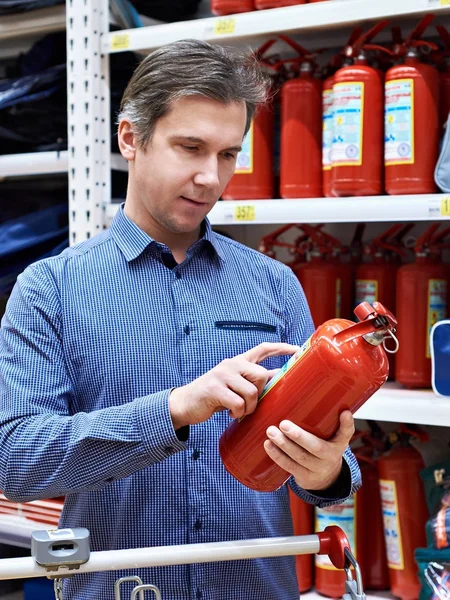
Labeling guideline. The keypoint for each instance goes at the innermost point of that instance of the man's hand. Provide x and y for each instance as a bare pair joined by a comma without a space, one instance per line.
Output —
315,463
234,384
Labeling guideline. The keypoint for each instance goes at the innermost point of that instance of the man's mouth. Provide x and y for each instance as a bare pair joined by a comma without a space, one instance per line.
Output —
193,201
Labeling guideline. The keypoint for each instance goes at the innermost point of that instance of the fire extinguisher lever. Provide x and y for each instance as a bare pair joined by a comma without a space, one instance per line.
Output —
353,587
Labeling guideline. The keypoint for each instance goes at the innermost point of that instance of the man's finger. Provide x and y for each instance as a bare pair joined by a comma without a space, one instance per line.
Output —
346,429
266,349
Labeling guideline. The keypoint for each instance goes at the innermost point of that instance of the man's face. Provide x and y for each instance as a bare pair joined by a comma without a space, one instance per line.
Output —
187,163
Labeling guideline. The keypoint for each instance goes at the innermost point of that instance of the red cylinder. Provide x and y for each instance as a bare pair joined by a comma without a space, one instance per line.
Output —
327,134
369,525
422,289
328,580
302,520
375,282
404,514
301,136
327,286
262,4
444,95
253,178
335,370
357,153
411,127
230,7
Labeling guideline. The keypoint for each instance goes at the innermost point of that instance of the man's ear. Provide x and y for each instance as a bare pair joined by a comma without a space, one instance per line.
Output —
127,140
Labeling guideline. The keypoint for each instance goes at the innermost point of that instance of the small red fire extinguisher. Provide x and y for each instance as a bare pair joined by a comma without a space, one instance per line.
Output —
375,280
422,296
301,130
357,150
404,511
345,357
253,178
302,520
230,7
272,240
411,119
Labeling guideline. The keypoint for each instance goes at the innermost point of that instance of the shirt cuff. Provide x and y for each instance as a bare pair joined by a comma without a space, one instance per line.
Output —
154,423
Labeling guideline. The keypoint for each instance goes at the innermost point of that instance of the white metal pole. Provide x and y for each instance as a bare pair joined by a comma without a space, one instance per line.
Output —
111,560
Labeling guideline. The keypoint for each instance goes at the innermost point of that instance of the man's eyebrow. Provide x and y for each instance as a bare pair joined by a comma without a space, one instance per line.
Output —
196,140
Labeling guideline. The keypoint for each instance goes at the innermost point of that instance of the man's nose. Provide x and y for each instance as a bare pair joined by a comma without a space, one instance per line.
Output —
208,173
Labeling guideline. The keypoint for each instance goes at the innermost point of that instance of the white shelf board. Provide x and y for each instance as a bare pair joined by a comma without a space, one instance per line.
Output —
42,163
306,19
395,404
40,21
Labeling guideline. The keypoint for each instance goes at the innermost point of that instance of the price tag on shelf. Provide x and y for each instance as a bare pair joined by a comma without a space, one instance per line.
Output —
245,212
437,3
120,41
224,26
445,207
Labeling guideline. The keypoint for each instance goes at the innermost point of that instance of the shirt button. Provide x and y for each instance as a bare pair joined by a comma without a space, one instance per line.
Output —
195,454
168,449
197,525
199,594
187,330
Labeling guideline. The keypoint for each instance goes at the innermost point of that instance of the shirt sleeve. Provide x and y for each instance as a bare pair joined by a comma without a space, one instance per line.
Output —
45,451
298,328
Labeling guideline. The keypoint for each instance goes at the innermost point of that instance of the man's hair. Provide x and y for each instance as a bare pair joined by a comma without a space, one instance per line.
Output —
190,68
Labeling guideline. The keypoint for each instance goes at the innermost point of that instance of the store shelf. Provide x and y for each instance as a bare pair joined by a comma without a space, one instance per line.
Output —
41,21
44,163
394,404
307,19
374,209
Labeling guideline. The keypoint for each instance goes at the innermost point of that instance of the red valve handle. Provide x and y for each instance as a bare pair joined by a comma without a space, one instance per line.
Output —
333,542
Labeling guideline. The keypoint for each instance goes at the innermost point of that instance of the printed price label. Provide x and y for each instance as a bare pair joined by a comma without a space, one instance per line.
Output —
225,26
436,3
120,41
445,204
244,213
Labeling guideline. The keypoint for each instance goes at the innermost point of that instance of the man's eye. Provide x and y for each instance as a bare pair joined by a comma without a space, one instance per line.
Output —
229,155
189,148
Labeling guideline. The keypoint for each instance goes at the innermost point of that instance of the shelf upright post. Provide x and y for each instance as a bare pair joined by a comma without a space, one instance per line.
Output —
88,112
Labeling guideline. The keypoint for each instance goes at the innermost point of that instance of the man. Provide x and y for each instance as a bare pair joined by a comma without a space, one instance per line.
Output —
124,358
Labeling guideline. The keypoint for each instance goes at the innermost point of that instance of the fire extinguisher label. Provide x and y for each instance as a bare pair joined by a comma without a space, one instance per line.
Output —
366,291
344,516
244,160
327,137
399,122
348,103
391,520
437,306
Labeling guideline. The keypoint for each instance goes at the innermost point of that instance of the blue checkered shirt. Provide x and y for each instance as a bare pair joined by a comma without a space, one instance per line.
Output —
92,342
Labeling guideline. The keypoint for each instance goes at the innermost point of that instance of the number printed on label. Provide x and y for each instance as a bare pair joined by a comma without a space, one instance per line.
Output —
244,213
224,26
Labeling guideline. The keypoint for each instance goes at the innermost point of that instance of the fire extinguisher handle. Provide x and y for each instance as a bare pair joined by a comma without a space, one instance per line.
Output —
334,542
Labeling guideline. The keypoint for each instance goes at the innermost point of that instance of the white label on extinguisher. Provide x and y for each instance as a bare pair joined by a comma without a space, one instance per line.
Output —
391,521
344,516
348,109
327,137
437,306
399,122
366,291
244,160
338,298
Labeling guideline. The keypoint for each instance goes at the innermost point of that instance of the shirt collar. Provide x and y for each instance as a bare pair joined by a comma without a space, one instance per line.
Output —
132,240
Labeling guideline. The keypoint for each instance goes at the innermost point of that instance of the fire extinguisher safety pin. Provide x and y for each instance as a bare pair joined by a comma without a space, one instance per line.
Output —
353,587
390,335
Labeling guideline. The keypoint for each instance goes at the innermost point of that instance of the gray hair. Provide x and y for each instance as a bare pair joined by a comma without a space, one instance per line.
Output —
190,68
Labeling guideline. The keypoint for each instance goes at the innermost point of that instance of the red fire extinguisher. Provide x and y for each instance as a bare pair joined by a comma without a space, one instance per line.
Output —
411,119
342,356
301,130
326,282
444,76
357,151
262,4
375,280
230,7
422,292
302,520
253,178
404,512
272,240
